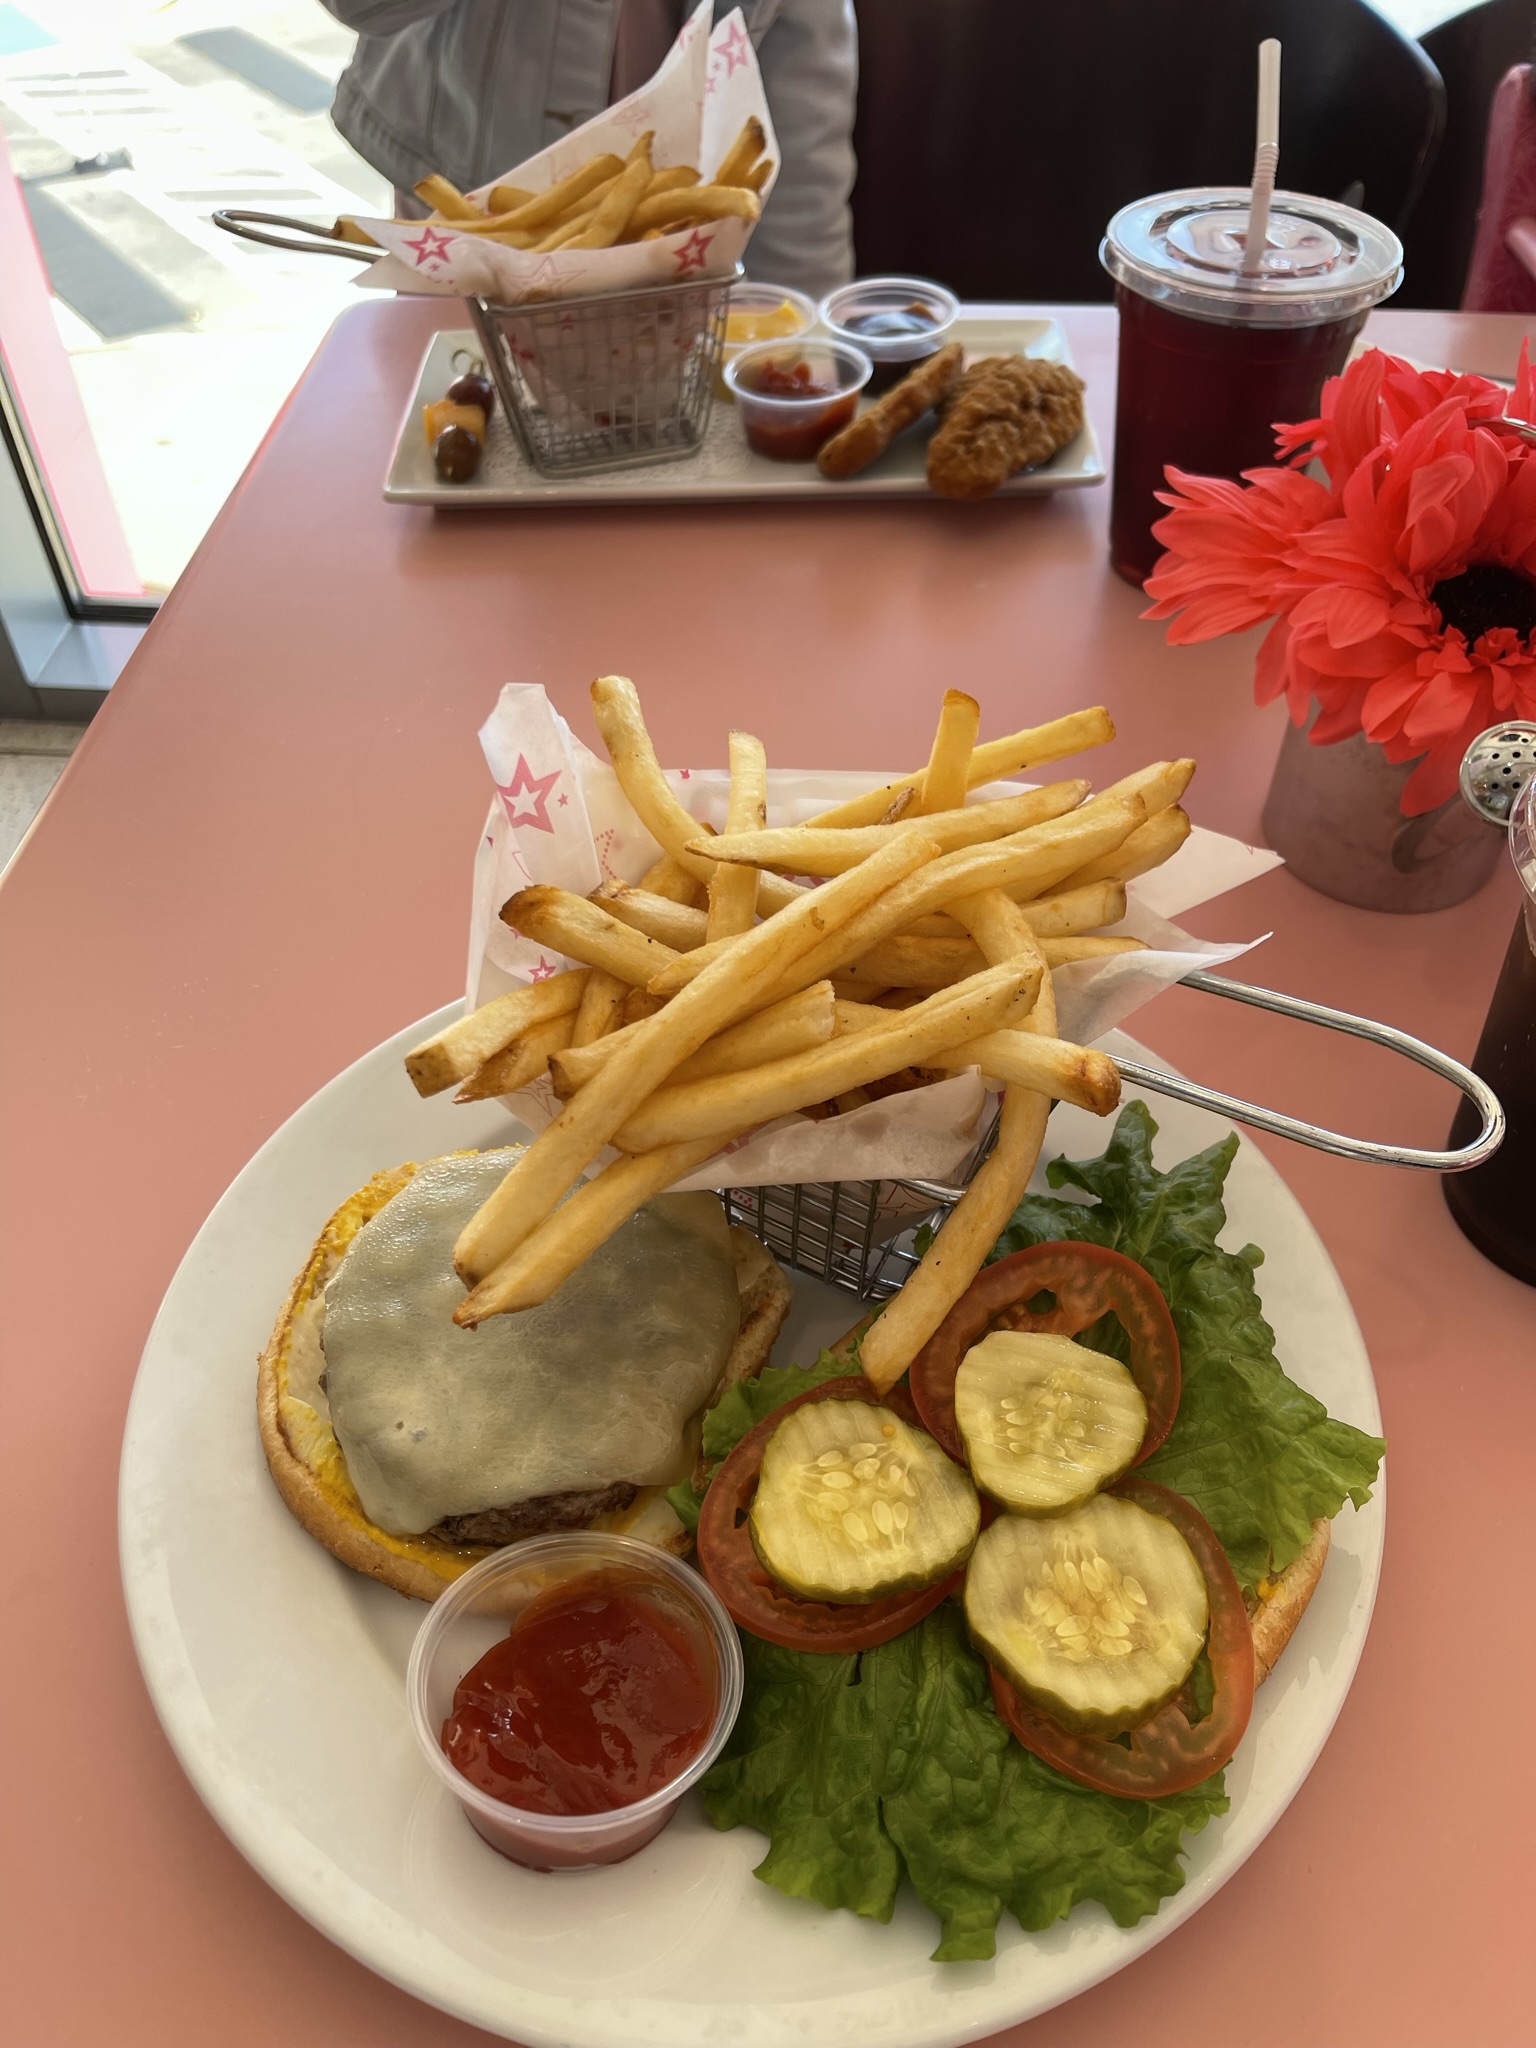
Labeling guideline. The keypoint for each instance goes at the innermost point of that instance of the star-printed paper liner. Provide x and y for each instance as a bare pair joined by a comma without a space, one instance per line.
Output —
558,816
707,88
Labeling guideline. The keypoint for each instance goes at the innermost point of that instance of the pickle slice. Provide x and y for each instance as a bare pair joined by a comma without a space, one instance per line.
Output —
853,1504
1045,1422
1097,1615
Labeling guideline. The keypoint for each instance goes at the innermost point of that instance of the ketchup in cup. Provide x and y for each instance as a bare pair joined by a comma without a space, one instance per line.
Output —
1211,357
793,396
569,1690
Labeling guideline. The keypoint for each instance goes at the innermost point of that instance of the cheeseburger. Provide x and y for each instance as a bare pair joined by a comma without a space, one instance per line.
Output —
411,1447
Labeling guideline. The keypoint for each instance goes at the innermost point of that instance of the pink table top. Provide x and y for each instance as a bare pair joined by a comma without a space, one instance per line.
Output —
256,867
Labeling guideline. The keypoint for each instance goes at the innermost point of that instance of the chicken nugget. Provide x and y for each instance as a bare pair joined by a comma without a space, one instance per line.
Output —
1005,414
866,438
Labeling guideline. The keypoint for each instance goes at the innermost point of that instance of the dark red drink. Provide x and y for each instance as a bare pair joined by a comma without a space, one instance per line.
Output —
1213,351
1495,1203
1204,398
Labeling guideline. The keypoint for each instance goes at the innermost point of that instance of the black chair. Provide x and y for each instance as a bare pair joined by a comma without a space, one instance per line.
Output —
1472,52
996,137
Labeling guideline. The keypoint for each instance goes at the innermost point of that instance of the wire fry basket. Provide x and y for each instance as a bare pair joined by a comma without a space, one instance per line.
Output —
613,381
858,1234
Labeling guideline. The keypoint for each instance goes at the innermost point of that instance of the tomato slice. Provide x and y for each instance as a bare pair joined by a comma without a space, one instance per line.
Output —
756,1600
1088,1280
1169,1753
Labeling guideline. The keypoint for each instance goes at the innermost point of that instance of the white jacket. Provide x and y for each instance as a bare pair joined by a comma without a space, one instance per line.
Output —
472,88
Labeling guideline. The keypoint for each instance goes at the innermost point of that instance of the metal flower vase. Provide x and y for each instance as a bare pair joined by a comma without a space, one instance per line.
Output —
1335,815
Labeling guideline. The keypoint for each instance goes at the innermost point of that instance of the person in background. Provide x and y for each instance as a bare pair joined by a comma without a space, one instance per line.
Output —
472,88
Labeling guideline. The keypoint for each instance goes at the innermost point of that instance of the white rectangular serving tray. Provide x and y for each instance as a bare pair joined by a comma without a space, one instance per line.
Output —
724,468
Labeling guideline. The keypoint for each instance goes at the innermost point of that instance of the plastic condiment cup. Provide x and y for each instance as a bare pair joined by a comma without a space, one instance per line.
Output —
476,1612
789,429
754,301
870,298
1211,356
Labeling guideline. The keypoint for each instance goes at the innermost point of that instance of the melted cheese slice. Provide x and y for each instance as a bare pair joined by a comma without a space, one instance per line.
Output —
593,1386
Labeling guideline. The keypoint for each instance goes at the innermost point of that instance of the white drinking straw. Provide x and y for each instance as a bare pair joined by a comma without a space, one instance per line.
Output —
1266,158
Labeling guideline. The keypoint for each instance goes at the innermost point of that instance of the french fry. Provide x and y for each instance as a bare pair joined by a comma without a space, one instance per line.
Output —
991,761
1028,862
946,778
507,198
954,1258
699,202
903,962
673,179
733,889
792,1025
446,198
1158,785
563,194
1142,850
758,176
1062,952
347,230
721,995
552,1252
574,925
736,1101
571,222
520,1062
455,1053
676,924
667,879
620,201
597,1014
743,153
1052,1066
1076,910
638,1005
616,708
831,850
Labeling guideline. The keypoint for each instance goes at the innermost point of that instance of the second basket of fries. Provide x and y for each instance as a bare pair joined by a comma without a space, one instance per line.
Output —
598,273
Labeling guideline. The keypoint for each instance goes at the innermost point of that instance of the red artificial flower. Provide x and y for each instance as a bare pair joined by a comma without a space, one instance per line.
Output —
1402,588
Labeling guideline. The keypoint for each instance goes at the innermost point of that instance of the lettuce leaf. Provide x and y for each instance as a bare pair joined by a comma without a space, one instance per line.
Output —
858,1768
1260,1458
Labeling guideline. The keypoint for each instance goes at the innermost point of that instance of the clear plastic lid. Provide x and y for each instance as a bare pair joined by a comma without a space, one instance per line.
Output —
1321,261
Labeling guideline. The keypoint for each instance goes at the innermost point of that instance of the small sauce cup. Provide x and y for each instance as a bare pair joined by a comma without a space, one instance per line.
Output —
762,312
793,395
477,1611
915,314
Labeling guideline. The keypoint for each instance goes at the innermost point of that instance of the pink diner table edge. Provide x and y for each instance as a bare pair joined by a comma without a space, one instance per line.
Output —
256,867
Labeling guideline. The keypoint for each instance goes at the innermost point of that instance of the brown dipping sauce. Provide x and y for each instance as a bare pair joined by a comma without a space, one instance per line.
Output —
892,323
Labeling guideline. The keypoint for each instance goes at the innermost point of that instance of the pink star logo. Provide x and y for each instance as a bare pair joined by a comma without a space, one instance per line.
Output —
564,801
543,971
686,774
525,783
692,253
734,49
430,246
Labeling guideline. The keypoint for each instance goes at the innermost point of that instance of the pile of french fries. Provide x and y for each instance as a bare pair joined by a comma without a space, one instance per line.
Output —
607,200
728,989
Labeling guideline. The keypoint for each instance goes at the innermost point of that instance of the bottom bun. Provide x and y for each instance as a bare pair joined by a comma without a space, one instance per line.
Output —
310,1472
1282,1600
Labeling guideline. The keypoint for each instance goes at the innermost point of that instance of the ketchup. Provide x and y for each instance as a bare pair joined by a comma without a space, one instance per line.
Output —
796,438
601,1695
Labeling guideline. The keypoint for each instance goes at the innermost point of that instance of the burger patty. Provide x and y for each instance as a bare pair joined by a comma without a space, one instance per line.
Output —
534,1517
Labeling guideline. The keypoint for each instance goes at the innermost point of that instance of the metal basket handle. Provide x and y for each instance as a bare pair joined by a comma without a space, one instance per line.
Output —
323,242
1477,1091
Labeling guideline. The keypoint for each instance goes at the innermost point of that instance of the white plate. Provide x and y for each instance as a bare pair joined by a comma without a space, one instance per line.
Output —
725,467
279,1675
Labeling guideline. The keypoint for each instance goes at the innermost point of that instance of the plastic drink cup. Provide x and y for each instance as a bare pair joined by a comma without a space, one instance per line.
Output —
1495,1203
1210,358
